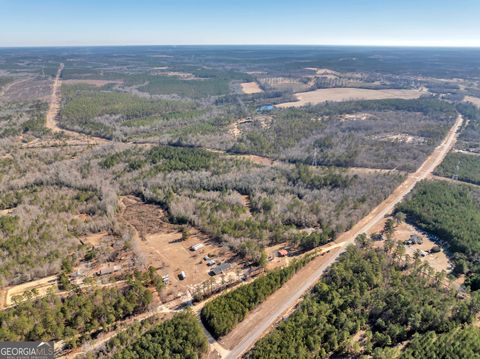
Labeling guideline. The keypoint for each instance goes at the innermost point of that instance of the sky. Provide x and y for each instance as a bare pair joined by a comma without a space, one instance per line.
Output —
184,22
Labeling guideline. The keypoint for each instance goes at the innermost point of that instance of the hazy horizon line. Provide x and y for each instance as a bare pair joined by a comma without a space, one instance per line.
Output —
379,45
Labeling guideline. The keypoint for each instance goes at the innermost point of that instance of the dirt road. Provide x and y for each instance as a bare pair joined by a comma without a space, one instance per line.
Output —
244,336
75,138
54,105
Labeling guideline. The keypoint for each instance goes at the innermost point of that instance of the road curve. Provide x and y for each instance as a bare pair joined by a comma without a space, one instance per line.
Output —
257,330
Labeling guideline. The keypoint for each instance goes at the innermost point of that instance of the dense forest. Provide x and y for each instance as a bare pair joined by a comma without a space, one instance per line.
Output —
464,167
367,301
118,115
451,212
458,343
180,337
83,312
223,313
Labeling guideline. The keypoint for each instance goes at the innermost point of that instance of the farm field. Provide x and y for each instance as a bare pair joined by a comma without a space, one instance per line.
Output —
348,94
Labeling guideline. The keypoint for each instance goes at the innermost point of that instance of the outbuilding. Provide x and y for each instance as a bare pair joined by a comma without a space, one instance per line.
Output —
282,253
210,262
197,246
222,268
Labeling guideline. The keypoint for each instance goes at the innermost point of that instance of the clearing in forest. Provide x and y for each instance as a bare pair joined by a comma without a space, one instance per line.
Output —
403,232
346,94
41,285
160,244
473,100
250,88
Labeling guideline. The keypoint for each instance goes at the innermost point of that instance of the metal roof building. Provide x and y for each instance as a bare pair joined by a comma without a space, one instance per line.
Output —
222,268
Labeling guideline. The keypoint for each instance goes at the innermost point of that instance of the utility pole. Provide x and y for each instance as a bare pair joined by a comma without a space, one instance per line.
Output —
457,170
314,162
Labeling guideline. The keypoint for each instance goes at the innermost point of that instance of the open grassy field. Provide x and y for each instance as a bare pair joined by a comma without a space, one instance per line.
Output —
348,94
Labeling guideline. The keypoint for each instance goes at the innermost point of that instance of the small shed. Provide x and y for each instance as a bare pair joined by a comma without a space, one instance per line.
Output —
377,237
282,253
210,262
197,246
182,275
416,239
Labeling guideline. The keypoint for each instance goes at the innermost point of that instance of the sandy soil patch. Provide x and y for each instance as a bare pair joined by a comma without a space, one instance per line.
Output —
144,217
473,100
346,94
400,137
327,73
41,285
274,260
159,244
250,88
178,74
357,117
96,83
166,252
6,212
234,130
438,261
94,239
259,160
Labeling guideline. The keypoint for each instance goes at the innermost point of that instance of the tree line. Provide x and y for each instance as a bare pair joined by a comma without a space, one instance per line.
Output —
223,313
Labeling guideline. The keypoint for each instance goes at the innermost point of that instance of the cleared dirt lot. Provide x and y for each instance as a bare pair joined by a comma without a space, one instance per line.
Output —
41,285
345,94
250,87
159,244
473,100
438,261
170,255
